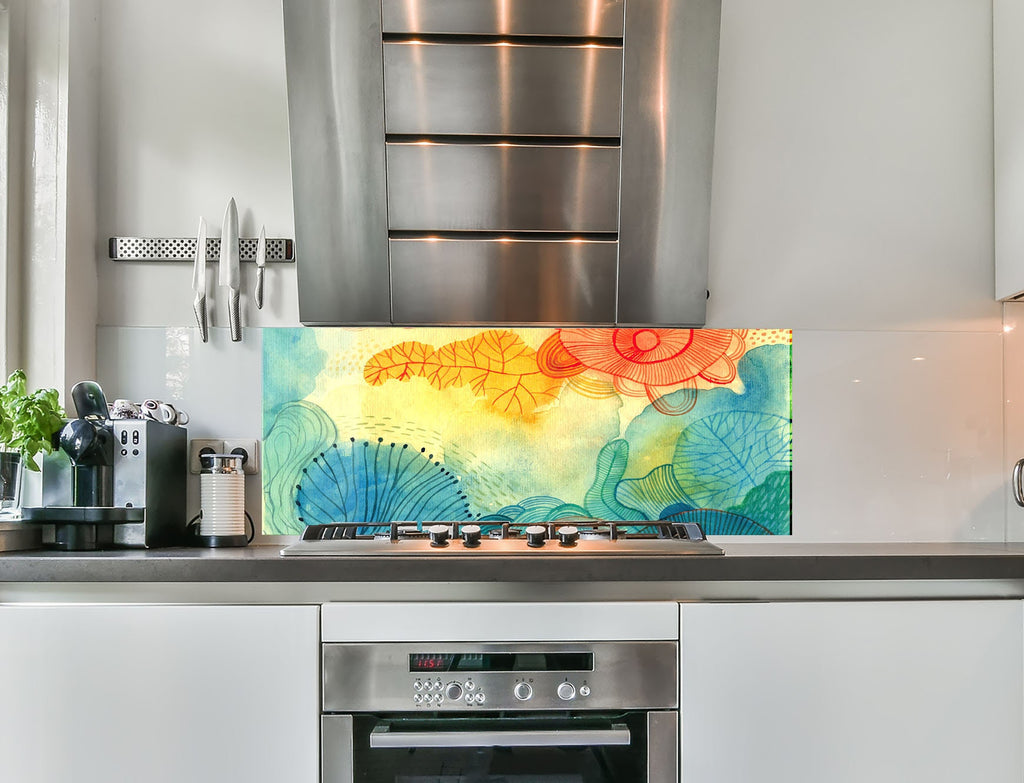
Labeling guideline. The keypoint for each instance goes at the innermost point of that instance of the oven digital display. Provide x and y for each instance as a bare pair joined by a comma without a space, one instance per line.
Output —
502,662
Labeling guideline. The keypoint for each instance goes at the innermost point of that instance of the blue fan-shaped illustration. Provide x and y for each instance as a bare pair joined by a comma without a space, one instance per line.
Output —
375,482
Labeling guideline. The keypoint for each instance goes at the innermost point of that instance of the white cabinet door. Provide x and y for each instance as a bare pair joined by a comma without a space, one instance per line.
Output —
881,692
1008,118
160,694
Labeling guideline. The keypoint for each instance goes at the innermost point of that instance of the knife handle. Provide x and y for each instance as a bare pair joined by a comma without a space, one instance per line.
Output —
258,295
234,317
199,306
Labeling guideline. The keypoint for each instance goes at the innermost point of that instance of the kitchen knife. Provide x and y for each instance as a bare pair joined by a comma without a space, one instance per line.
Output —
199,281
261,262
229,275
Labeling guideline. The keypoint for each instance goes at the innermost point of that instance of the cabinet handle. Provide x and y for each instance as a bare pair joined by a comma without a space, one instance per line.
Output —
382,737
1018,488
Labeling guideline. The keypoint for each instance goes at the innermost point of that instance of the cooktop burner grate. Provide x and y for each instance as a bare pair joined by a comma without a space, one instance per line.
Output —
566,537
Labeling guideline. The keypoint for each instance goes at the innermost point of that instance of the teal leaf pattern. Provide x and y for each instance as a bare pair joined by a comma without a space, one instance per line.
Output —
653,493
300,431
722,523
600,499
770,503
297,360
721,457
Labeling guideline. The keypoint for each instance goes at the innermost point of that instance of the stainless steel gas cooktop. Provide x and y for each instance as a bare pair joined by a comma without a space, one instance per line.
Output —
553,539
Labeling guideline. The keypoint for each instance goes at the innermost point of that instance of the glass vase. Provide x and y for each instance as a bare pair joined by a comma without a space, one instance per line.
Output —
11,469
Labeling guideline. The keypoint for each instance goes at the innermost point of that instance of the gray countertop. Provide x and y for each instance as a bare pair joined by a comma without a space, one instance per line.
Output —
742,562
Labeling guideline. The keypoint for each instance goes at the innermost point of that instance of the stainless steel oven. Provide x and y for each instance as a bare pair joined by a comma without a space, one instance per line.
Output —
516,712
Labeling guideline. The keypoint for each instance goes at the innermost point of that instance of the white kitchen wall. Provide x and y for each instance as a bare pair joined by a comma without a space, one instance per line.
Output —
193,111
852,202
1013,396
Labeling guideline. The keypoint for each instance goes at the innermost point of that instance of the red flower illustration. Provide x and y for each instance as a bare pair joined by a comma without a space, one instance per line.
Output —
647,362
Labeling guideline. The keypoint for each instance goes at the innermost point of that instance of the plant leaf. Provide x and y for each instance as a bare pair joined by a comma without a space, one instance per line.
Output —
28,422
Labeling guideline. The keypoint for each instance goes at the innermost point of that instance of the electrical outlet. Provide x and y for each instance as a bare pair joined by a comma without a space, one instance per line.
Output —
198,446
249,448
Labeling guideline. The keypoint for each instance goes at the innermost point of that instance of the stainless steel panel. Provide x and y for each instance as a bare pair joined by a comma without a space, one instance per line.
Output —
376,677
336,749
502,187
446,281
670,69
502,89
336,124
663,747
598,18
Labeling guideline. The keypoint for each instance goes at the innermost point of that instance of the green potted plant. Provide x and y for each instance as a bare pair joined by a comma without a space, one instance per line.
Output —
28,423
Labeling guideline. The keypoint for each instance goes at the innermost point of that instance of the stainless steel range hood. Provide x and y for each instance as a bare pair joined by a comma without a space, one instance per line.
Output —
502,161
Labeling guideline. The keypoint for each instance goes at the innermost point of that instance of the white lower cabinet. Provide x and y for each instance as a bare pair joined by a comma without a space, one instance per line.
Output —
852,692
159,694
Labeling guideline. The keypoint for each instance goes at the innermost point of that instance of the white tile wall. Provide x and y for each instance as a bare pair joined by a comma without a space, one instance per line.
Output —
219,384
897,436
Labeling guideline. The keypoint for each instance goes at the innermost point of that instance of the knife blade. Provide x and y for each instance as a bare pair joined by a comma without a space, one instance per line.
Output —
229,274
199,281
261,262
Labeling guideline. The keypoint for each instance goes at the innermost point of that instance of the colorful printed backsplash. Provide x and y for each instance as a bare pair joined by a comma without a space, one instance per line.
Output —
528,425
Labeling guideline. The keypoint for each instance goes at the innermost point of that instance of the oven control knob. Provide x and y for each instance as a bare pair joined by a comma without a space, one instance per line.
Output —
471,535
568,535
522,691
453,691
438,535
566,691
584,690
535,535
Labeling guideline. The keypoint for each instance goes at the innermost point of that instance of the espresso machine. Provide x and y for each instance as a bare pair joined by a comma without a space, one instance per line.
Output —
112,483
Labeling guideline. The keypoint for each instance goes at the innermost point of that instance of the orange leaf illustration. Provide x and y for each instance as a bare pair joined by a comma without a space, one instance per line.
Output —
401,362
496,365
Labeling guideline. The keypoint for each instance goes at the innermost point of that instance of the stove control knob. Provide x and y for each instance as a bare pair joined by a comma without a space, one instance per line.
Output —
453,692
438,535
566,691
522,691
568,535
535,535
471,535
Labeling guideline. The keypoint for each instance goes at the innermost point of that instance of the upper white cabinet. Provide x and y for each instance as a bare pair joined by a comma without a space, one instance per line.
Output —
162,694
1008,107
916,692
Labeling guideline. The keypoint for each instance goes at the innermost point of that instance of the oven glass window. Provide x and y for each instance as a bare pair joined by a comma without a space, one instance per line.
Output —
482,759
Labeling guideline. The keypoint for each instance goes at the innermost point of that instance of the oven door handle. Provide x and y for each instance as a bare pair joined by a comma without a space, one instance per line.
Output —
383,737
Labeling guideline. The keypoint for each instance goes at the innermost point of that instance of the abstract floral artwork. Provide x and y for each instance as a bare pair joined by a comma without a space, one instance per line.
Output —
381,424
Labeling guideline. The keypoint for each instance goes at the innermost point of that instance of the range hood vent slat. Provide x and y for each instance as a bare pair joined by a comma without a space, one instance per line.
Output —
502,160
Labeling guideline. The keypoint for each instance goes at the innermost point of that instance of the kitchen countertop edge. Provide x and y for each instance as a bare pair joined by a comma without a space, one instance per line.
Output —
743,562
